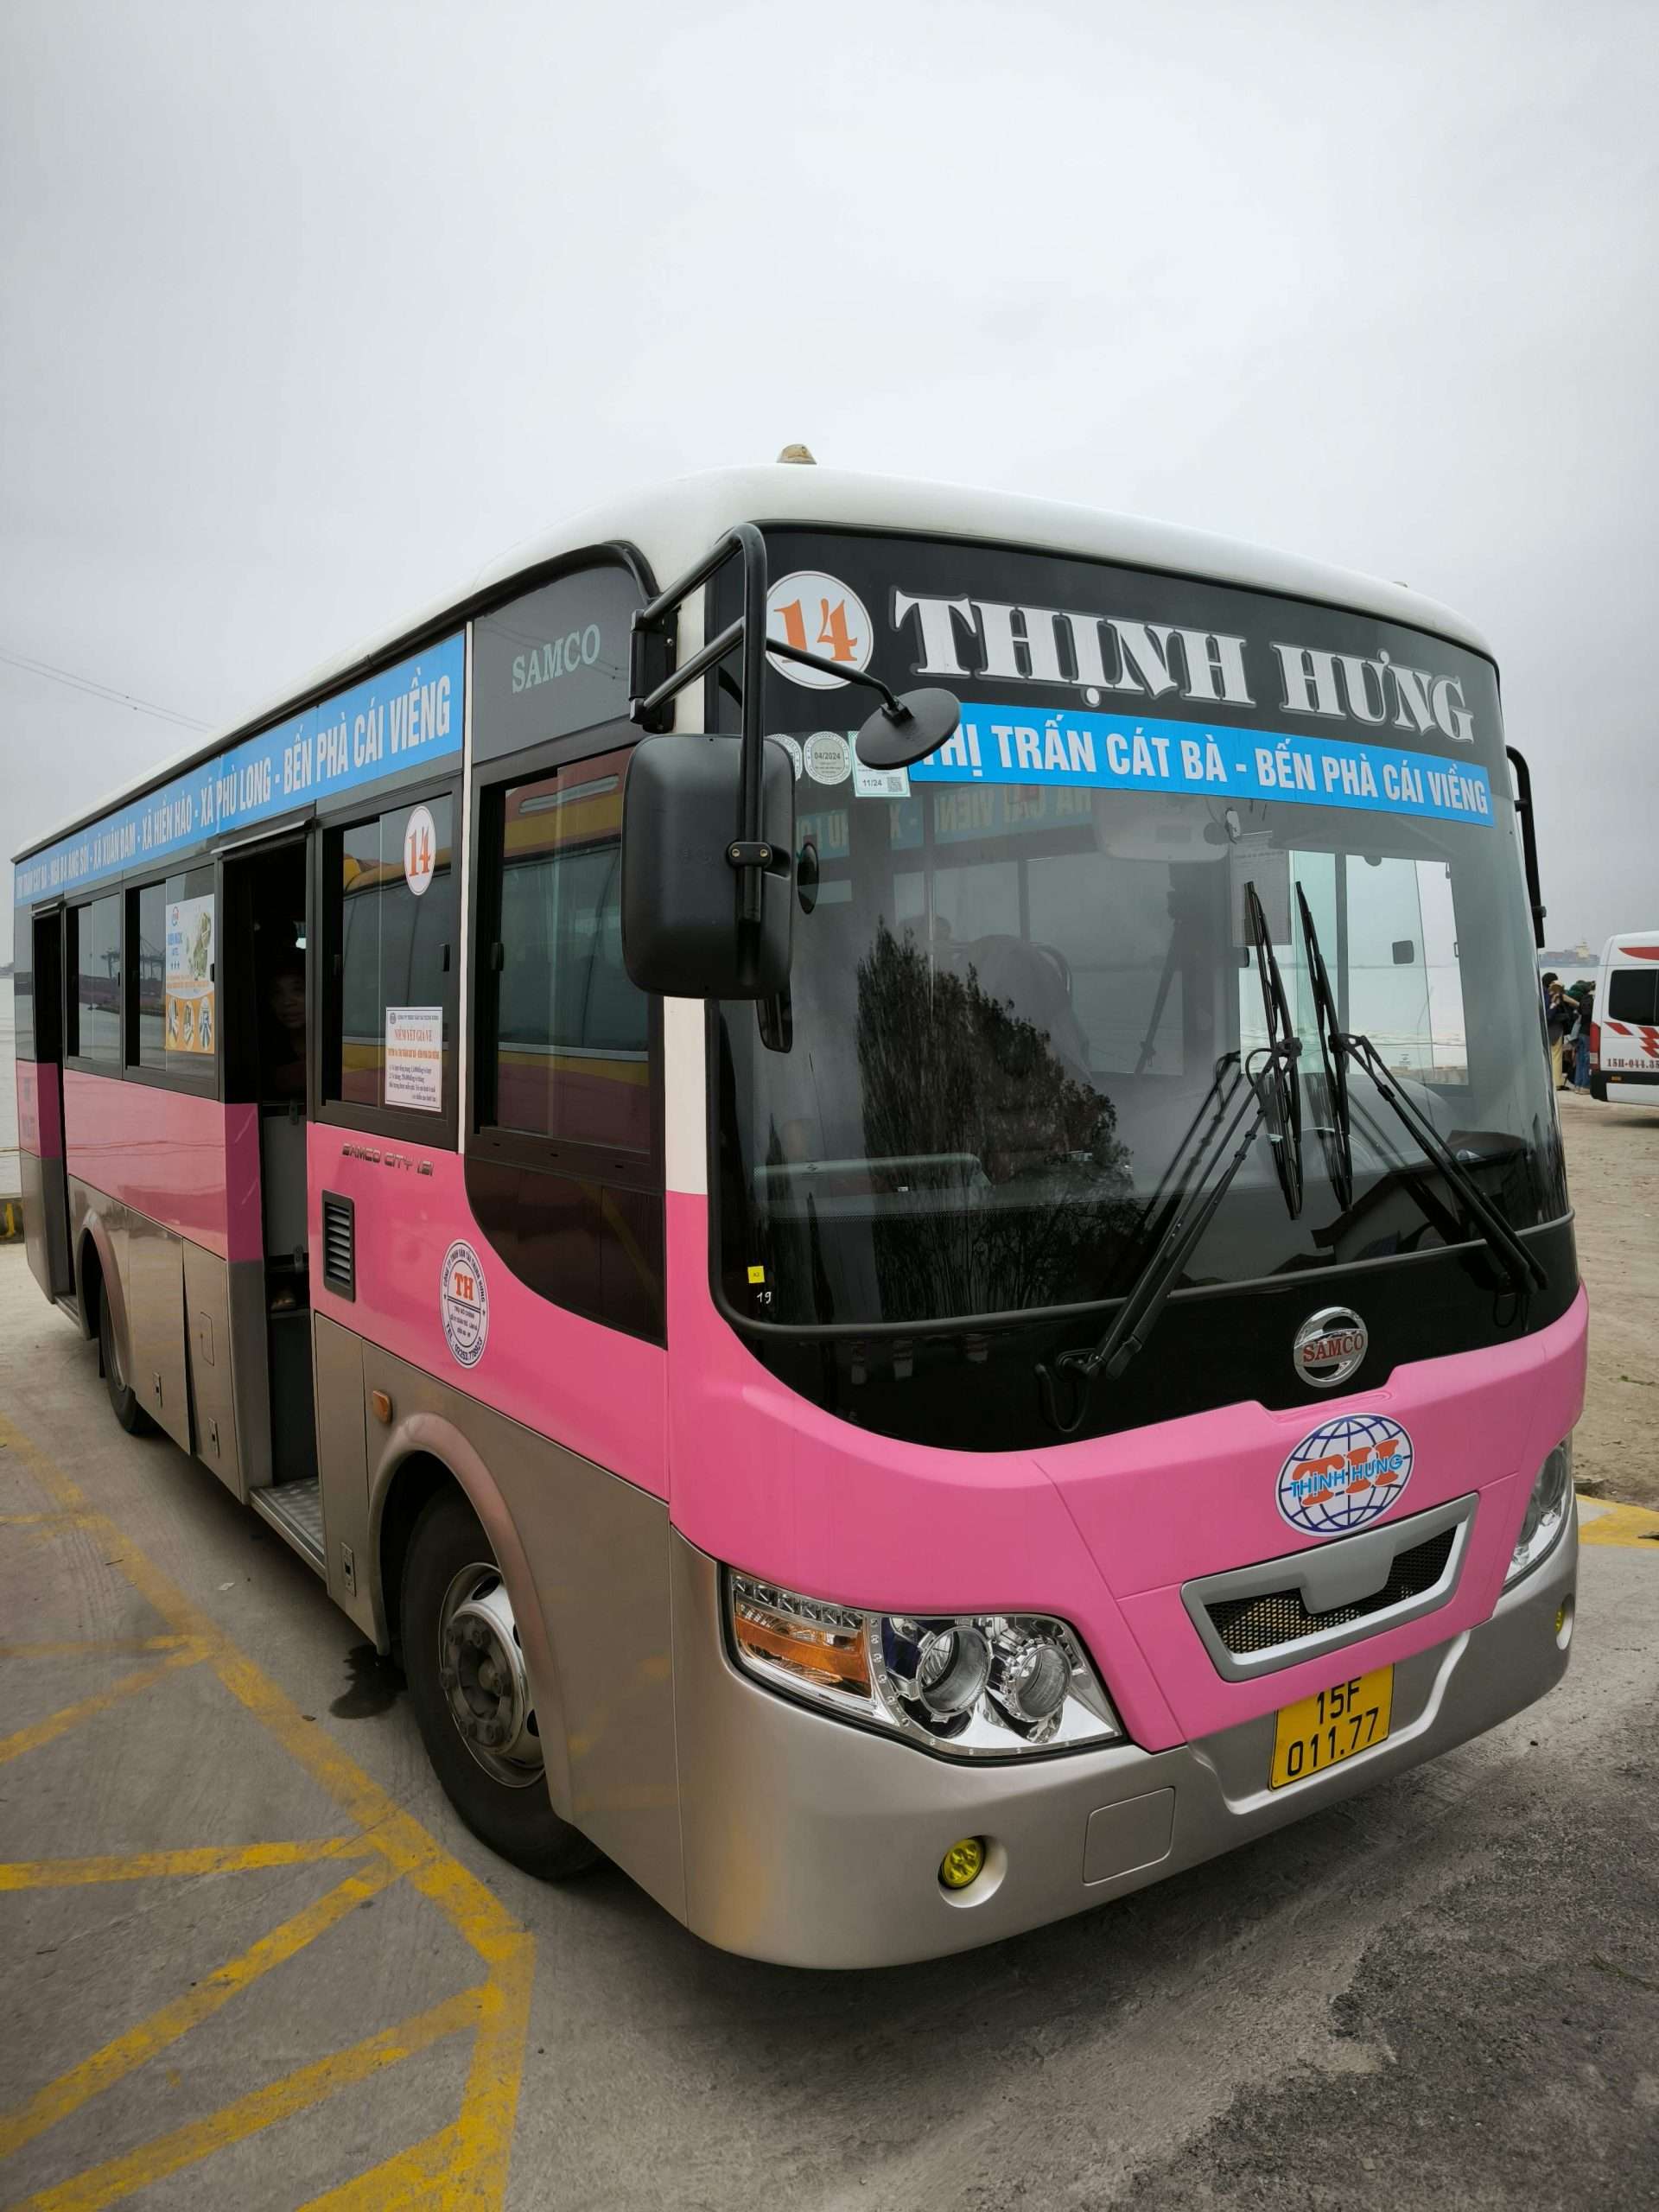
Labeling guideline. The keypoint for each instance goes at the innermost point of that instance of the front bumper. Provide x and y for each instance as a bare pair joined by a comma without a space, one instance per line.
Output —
815,1843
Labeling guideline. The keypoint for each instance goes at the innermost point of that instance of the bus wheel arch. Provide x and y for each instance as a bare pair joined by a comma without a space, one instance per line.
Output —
428,1461
104,1318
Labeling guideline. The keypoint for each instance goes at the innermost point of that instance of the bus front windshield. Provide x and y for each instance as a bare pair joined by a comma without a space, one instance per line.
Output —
1016,1005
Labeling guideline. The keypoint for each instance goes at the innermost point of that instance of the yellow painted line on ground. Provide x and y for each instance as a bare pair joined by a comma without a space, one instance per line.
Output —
426,2173
141,2043
189,1653
91,1647
480,2138
1629,1525
280,2100
60,1520
159,1865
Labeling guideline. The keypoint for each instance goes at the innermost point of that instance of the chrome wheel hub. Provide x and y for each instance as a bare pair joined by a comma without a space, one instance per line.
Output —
482,1669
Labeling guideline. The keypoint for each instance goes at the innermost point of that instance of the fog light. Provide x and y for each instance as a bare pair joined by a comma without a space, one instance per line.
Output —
963,1862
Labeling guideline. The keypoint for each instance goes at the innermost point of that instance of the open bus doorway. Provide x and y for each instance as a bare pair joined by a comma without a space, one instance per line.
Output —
267,1037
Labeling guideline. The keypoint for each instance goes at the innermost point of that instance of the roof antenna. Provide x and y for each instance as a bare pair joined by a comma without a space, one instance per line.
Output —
797,452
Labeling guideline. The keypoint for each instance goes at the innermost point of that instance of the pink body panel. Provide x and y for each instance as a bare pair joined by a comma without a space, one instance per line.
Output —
188,1163
1103,1532
593,1389
40,1124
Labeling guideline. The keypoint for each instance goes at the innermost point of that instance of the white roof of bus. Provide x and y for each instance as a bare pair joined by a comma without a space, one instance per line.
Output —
674,524
1629,941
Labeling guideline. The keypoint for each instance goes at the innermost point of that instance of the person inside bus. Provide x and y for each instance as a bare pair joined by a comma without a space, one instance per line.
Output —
282,1043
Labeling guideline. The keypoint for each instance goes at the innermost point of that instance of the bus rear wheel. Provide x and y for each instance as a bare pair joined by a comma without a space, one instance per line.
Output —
124,1401
468,1683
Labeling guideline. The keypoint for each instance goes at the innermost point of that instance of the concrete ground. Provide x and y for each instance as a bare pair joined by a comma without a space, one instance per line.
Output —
248,1959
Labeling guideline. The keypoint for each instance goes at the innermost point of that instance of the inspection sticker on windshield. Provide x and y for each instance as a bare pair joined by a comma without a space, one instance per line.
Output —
1012,744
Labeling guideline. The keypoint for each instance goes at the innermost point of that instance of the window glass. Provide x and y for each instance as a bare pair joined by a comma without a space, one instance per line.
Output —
97,981
1024,995
22,992
571,1048
394,878
147,935
1633,995
189,965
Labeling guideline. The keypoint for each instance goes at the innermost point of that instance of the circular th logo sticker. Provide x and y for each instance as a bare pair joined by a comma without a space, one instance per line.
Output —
419,850
464,1303
818,614
1344,1474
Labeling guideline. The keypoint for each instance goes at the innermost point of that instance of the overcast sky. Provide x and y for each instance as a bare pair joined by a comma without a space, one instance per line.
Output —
306,312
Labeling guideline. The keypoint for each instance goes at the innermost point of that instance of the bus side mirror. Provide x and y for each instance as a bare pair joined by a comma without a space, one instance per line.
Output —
684,933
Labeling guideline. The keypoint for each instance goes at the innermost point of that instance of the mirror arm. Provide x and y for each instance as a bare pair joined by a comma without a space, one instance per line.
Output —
894,707
1529,841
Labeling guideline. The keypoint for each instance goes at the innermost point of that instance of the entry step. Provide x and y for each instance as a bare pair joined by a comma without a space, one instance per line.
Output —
295,1510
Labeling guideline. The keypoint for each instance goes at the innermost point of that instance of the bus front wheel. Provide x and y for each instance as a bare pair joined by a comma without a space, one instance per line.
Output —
124,1401
464,1661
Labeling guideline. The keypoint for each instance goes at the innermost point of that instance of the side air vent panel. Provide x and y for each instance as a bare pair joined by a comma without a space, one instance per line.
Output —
338,1245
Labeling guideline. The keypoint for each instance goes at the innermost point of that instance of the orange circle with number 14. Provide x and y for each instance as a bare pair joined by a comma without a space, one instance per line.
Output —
818,614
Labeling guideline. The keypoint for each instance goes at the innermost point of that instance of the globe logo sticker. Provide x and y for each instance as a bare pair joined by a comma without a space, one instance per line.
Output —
465,1304
1344,1474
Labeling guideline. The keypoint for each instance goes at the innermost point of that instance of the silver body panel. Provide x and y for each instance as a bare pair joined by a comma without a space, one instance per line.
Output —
212,1395
45,1222
593,1614
813,1843
184,1320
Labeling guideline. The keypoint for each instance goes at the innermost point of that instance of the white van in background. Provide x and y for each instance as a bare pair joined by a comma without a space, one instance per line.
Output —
1624,1027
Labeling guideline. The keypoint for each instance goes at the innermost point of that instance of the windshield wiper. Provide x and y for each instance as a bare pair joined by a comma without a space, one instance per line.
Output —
1268,1082
1336,1048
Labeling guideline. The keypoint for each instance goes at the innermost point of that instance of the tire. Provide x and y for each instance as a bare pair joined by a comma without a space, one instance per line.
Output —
1598,1089
123,1402
457,1621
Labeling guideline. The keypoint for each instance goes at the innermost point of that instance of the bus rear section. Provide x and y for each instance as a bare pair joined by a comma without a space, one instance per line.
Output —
1004,1324
1624,1027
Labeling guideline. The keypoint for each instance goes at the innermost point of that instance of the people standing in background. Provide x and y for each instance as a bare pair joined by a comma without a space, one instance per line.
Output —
1584,996
1560,1015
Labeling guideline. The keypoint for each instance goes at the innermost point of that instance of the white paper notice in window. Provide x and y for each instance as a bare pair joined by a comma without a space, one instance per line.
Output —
414,1057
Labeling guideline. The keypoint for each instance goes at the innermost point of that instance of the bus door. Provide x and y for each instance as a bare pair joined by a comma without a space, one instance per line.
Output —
40,1101
265,903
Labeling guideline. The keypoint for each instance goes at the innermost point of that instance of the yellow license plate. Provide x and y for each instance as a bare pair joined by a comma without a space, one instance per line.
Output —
1323,1730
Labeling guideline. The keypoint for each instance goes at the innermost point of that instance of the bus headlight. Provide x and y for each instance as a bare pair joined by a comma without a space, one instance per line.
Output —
971,1685
1547,1513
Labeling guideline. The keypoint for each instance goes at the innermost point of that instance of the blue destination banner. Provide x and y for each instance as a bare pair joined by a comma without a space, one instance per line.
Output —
1012,744
408,714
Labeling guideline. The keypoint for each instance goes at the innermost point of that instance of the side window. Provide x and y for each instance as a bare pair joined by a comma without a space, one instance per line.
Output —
570,1051
564,1171
393,931
173,999
95,1008
147,940
190,1000
1633,995
22,987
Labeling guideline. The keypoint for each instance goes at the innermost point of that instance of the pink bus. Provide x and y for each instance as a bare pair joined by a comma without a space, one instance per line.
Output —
893,1209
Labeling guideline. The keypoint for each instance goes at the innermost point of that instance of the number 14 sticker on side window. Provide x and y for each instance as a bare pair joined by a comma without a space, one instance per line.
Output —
1332,1725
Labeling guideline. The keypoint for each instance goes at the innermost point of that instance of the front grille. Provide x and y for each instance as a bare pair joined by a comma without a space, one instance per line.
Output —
1275,1617
338,1245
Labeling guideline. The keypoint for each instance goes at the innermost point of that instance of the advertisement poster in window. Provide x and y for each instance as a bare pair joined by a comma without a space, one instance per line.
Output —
414,1057
191,1022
